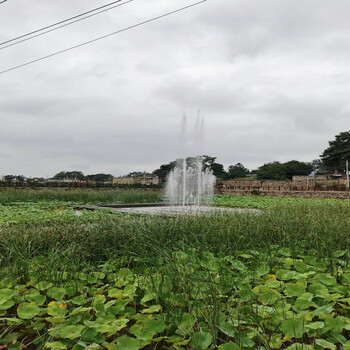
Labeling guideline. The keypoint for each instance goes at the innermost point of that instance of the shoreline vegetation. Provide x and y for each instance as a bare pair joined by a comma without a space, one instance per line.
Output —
104,280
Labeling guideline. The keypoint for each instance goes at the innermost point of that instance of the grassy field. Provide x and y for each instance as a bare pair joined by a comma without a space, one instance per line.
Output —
104,280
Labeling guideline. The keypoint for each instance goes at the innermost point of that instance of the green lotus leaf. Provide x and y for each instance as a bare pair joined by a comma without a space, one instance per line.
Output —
27,310
117,307
91,335
201,340
35,296
115,293
129,290
10,338
151,310
124,276
301,267
238,265
319,290
127,343
155,326
315,325
186,324
43,285
55,345
56,293
6,295
268,296
295,289
229,346
336,324
325,344
302,304
326,279
56,311
346,346
276,341
71,332
110,346
15,346
293,328
298,346
79,300
12,321
7,305
228,328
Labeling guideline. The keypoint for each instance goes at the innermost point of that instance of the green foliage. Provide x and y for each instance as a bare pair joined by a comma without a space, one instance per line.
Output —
275,280
206,303
71,175
338,152
78,196
237,170
283,171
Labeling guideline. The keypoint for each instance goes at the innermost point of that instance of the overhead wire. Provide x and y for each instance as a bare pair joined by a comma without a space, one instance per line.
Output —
60,22
61,26
103,37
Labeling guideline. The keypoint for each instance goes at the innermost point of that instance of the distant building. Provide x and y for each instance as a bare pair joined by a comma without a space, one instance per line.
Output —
128,180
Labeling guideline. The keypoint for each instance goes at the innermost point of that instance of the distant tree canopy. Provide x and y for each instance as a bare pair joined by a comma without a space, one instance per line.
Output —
138,174
71,175
283,171
207,161
14,178
335,156
99,177
237,170
78,175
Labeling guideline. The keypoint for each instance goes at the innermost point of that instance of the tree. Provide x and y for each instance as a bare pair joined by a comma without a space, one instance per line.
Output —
164,170
237,170
14,178
271,171
295,167
99,177
207,161
218,170
71,175
335,156
138,174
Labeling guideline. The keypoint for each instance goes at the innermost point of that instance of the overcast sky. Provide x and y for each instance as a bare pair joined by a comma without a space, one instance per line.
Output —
271,79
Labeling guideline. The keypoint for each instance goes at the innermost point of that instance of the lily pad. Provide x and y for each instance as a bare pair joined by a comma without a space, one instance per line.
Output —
201,340
27,310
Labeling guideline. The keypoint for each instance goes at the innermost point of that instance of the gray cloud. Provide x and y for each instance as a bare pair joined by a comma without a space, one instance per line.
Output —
271,79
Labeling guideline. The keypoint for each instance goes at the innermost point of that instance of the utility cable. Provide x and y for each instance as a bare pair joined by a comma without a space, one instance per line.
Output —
61,26
103,37
60,22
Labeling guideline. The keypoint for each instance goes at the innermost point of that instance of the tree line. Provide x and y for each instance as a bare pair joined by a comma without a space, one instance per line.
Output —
333,159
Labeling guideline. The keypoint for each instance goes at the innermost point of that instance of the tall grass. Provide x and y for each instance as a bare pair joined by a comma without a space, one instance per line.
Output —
319,229
82,196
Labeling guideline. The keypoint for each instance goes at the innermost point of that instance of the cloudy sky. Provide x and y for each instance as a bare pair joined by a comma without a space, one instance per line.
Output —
271,79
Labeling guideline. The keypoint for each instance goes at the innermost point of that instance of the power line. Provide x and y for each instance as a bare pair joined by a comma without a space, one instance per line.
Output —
60,22
102,37
61,26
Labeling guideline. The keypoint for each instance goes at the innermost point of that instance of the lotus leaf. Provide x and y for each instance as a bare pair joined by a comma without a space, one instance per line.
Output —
228,346
55,345
127,343
293,328
325,344
201,340
71,332
27,310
